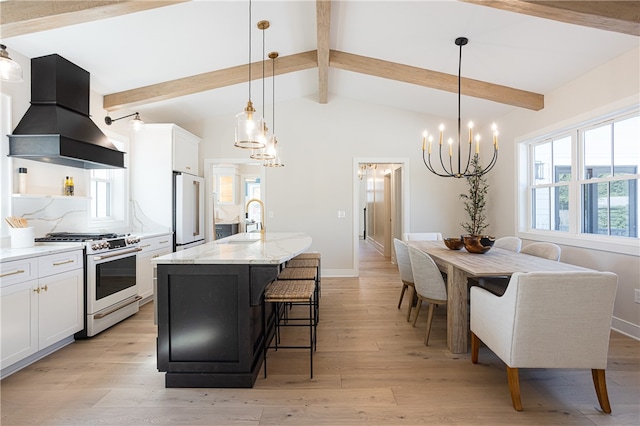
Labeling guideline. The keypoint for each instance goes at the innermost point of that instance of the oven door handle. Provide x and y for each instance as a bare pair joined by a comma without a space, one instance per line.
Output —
135,250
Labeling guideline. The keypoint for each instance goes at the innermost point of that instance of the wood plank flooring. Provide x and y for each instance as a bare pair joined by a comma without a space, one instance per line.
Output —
371,368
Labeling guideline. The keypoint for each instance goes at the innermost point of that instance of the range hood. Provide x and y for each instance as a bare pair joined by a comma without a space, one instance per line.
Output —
57,128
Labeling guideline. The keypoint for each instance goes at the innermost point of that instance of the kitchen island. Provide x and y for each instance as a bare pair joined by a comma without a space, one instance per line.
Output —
210,308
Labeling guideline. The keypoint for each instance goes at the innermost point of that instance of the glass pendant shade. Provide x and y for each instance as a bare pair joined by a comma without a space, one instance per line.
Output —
277,160
248,126
10,70
267,152
136,122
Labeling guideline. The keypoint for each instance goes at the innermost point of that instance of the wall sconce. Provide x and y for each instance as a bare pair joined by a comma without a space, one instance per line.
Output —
135,122
10,70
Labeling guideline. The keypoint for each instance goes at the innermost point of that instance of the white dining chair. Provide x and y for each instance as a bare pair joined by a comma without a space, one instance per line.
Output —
422,236
429,285
508,243
497,285
406,274
547,320
543,249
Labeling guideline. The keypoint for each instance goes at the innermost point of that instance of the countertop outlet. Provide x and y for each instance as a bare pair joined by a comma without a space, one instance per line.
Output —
636,295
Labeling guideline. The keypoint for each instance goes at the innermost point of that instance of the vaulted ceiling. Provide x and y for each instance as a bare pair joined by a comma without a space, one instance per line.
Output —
184,60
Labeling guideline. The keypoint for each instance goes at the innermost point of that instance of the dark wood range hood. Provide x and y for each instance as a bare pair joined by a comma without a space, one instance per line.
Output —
57,128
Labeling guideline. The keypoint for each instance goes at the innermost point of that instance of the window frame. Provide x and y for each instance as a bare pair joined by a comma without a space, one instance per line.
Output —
119,196
575,236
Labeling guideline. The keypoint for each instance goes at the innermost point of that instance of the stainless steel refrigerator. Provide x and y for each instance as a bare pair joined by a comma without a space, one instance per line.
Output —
188,210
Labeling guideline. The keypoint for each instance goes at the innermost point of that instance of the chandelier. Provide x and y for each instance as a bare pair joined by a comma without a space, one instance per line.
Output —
472,168
248,124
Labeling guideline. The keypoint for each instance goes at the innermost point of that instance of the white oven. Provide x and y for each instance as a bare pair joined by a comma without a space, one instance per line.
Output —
112,292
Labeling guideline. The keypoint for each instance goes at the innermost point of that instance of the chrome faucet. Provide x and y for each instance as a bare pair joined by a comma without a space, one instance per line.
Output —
255,200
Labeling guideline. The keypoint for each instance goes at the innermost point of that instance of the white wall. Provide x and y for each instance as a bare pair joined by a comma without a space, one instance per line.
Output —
608,87
319,142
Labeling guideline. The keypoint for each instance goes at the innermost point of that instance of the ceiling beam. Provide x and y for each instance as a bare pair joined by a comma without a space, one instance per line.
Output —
206,81
436,80
25,17
323,22
618,16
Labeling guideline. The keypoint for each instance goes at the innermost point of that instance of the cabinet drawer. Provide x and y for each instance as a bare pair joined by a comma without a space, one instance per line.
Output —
61,262
156,243
18,271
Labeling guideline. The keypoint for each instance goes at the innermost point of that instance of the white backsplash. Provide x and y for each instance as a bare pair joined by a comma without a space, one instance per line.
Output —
53,214
141,222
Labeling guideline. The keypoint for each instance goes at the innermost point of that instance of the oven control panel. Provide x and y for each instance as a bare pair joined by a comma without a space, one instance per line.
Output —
100,246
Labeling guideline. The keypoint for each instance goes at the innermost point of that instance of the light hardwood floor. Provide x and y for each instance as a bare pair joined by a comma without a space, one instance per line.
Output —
371,368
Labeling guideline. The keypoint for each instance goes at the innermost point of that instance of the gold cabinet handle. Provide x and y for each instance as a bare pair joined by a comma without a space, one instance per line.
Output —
146,245
163,242
45,288
63,263
36,290
16,272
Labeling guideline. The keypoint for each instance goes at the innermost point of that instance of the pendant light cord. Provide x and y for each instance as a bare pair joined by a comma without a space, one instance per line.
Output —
273,97
249,50
263,104
459,97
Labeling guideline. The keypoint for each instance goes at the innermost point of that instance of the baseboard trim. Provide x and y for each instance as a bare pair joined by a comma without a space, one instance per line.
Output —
35,357
626,328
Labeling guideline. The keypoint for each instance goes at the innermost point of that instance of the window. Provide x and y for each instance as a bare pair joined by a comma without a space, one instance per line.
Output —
582,181
609,183
109,194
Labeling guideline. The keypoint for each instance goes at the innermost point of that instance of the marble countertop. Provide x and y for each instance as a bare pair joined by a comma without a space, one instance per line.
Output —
244,248
40,249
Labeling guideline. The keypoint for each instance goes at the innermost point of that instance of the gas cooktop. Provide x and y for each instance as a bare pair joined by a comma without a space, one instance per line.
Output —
56,237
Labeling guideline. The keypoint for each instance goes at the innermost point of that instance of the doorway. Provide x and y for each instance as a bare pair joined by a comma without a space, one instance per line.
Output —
228,183
381,203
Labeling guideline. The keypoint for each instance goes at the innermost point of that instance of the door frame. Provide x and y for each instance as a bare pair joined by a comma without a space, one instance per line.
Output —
404,163
209,163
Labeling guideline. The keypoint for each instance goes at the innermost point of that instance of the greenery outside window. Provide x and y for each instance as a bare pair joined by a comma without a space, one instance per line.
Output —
582,181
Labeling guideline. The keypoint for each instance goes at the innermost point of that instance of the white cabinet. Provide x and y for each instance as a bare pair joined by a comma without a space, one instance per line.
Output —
18,311
156,152
150,248
185,151
40,306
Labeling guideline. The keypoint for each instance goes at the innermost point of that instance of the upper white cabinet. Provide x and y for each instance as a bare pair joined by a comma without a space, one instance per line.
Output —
167,147
185,151
156,152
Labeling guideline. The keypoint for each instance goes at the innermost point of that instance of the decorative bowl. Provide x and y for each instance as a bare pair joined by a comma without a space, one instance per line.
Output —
455,243
478,243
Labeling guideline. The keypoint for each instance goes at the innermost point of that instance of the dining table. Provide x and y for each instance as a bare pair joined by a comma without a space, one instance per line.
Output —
459,265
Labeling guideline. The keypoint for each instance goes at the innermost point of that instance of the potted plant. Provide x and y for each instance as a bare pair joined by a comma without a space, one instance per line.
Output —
474,205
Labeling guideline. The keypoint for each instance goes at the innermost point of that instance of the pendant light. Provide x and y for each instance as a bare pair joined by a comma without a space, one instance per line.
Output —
276,160
469,169
266,152
10,70
247,121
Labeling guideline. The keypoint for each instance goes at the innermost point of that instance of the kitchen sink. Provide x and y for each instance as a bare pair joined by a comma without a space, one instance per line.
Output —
238,242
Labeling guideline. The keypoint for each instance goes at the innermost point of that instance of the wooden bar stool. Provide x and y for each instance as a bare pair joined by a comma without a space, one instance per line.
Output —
300,292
